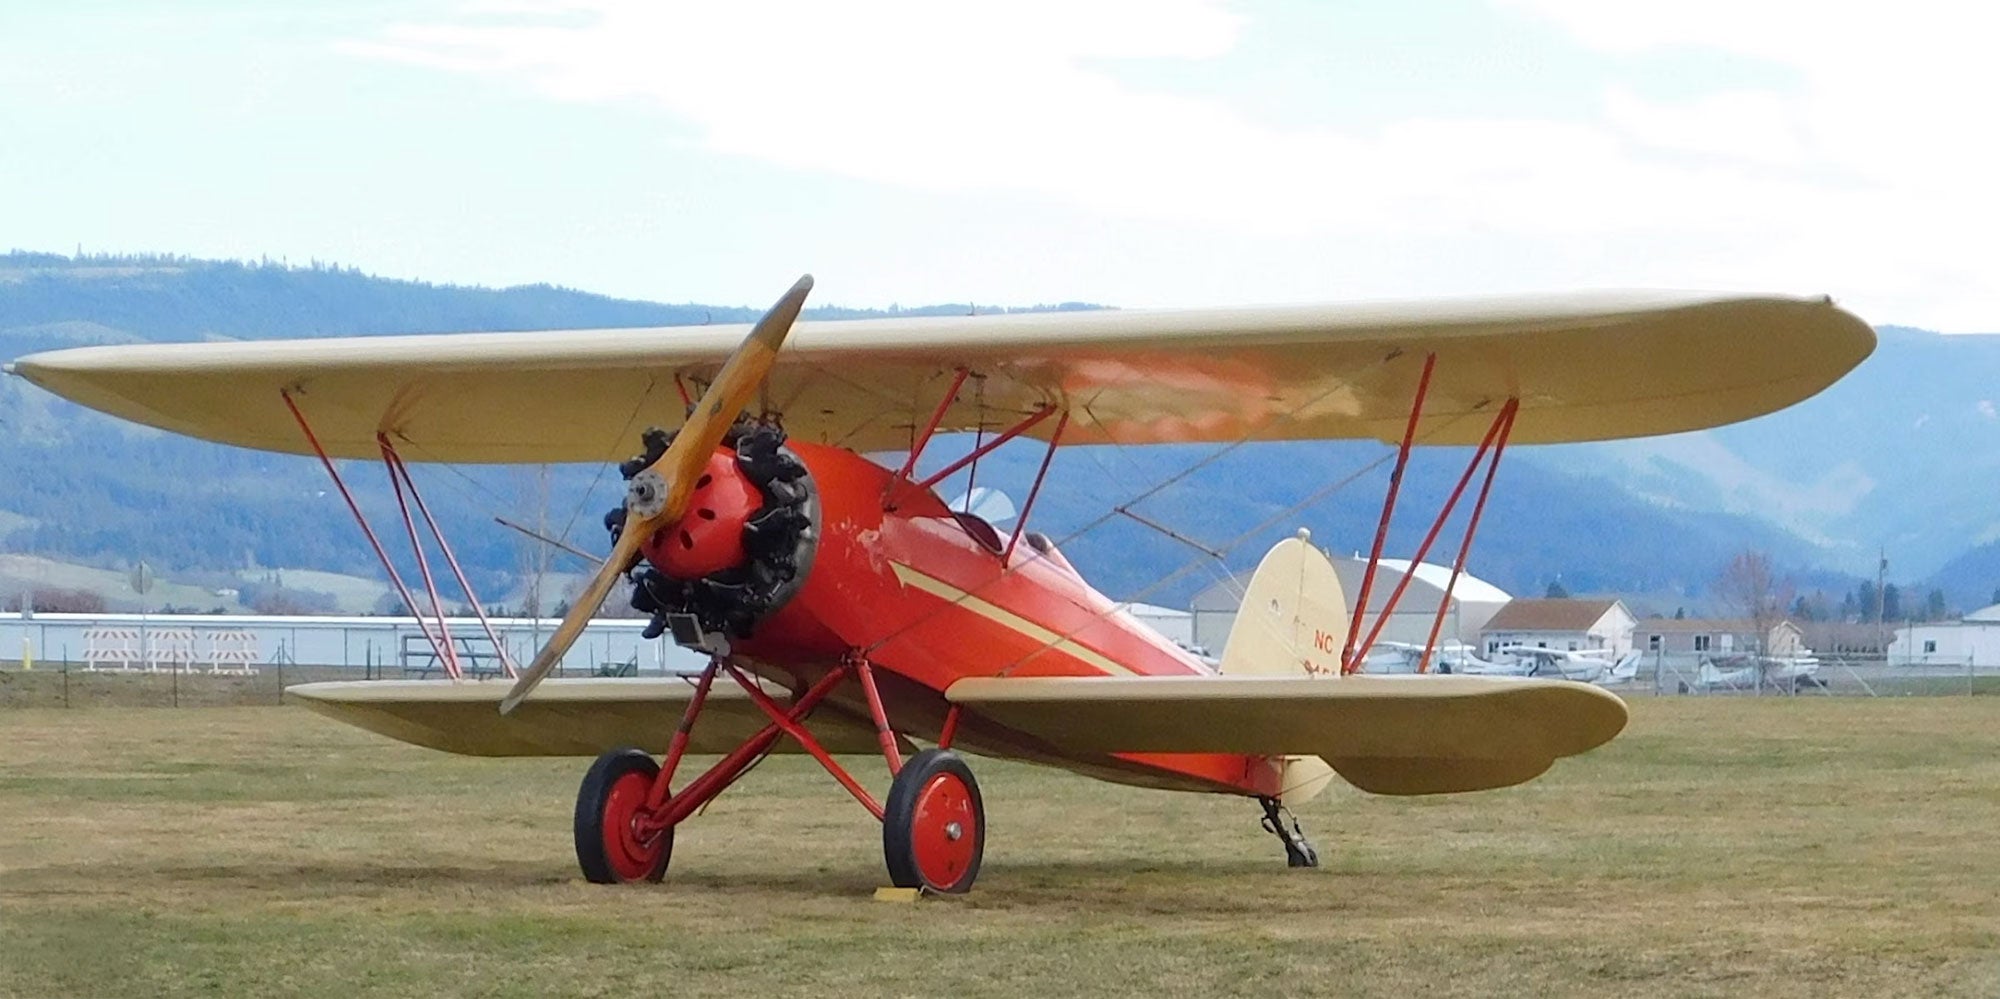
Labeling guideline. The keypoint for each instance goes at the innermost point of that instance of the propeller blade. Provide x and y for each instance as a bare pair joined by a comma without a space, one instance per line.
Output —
718,407
573,622
676,471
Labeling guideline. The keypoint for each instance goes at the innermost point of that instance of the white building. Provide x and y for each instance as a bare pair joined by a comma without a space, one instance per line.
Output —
1175,625
389,644
1974,638
1473,602
1565,625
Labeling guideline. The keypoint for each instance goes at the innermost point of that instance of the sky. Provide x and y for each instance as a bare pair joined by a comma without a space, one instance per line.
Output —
1141,154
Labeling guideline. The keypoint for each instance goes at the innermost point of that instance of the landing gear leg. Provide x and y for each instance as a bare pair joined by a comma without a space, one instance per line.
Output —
1298,852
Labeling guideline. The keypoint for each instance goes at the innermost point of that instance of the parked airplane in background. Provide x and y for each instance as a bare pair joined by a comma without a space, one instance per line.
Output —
1447,658
845,607
1750,672
1585,666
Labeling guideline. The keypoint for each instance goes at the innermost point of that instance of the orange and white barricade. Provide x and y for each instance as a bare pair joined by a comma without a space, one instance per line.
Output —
171,649
230,652
110,648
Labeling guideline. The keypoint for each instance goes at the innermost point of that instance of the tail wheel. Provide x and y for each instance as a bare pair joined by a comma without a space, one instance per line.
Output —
934,824
613,794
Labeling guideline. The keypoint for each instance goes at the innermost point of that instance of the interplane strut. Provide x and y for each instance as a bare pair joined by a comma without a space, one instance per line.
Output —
1355,650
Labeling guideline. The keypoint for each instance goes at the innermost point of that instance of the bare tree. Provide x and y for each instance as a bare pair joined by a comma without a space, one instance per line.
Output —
1750,588
58,600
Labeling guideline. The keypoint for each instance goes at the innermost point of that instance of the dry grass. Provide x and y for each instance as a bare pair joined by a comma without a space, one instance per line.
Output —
1723,847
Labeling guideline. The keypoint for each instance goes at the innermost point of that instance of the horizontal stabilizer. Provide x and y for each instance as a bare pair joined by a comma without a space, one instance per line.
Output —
579,717
1384,734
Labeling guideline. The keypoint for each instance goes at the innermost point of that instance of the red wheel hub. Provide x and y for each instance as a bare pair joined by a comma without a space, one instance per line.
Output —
709,537
632,857
945,831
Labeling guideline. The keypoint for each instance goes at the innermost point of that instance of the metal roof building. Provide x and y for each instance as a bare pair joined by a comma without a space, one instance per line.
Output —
392,644
1473,602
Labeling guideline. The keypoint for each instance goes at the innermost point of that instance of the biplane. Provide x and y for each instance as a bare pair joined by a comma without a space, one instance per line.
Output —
844,608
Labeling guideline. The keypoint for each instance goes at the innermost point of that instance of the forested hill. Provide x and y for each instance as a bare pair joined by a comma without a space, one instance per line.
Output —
82,487
176,298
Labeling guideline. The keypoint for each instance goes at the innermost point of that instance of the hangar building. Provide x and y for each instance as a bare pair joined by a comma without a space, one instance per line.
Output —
1473,602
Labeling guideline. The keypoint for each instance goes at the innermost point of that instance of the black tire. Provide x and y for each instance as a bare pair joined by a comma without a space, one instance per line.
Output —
609,785
934,792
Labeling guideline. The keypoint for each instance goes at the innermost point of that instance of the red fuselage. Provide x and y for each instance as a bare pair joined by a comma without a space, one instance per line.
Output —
910,587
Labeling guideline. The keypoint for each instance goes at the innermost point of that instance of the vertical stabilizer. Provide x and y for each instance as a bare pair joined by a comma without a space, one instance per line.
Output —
1294,616
1293,622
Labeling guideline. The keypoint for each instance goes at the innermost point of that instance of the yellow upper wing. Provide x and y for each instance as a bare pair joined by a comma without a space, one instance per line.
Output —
1585,368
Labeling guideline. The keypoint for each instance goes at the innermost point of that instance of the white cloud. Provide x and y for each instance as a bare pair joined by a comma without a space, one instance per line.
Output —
1885,128
1866,179
1751,127
936,96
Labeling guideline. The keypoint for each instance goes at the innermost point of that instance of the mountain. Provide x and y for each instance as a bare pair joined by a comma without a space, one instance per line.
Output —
1899,459
1656,517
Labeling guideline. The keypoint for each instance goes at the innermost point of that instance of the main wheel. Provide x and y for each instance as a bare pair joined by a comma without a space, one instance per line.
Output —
934,824
613,793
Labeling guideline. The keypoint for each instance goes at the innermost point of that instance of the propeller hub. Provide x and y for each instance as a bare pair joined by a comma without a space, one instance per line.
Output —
709,537
646,494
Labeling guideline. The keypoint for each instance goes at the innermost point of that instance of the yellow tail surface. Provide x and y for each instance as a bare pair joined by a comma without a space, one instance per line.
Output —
1293,622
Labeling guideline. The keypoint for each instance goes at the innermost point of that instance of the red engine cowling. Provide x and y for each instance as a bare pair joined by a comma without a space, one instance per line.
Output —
709,539
743,548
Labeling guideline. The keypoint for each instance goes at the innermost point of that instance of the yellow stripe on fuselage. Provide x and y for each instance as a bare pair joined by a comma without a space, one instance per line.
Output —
1008,619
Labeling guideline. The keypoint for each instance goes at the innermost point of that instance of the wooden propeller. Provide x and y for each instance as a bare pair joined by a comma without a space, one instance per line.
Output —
673,476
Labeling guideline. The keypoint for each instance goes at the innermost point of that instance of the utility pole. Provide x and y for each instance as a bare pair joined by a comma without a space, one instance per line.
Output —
538,555
142,583
1881,576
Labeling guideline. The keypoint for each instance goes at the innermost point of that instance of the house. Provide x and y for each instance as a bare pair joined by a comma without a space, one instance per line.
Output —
1571,625
1473,602
1716,636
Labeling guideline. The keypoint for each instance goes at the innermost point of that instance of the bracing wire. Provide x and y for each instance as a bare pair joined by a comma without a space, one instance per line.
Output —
1154,490
1313,499
624,434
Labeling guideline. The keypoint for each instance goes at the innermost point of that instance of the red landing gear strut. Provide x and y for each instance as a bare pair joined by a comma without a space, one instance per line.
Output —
933,821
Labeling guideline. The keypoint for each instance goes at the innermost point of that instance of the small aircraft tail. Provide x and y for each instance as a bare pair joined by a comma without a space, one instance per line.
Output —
1293,619
1623,670
1293,622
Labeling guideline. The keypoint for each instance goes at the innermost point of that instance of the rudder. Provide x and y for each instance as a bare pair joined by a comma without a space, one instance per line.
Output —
1294,616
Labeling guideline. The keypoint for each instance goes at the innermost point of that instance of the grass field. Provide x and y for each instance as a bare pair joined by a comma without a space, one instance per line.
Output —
1723,846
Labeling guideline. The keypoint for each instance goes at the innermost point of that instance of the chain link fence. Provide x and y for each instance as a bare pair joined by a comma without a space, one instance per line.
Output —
68,686
59,685
1699,674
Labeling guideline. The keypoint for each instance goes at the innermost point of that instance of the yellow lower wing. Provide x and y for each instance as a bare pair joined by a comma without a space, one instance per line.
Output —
582,717
1384,734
